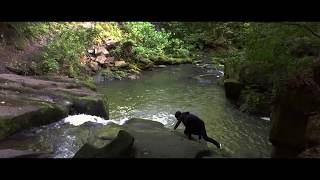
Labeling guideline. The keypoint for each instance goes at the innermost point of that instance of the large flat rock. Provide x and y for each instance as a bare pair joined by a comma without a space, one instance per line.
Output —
27,101
150,140
153,140
12,153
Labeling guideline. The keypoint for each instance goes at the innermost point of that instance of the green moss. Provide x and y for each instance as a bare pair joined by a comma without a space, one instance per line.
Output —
110,130
170,60
47,113
133,68
120,74
89,84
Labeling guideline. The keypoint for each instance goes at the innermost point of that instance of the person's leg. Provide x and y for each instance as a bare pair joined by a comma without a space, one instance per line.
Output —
188,133
205,137
212,141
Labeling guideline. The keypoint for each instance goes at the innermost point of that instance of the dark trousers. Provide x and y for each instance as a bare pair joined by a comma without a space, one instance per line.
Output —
201,134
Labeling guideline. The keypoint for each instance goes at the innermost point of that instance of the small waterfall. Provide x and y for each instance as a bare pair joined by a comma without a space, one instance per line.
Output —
77,120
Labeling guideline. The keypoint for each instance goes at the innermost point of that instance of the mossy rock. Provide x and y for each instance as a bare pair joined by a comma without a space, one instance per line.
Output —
120,147
97,106
111,130
89,85
23,68
30,102
144,63
256,76
153,140
255,102
165,60
43,113
232,88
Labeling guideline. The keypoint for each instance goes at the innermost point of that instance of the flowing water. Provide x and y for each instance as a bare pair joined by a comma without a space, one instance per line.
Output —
162,92
157,95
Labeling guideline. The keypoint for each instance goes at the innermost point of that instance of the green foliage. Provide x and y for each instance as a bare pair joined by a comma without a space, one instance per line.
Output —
32,29
198,35
274,45
107,30
107,72
66,49
150,42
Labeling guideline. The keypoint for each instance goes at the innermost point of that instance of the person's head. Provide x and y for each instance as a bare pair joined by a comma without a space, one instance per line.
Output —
177,114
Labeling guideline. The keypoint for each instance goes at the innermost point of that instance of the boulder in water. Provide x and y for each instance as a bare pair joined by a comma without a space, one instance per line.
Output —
295,117
120,147
232,88
153,140
141,138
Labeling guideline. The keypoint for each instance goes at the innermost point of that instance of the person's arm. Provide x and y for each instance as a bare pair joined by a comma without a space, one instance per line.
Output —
178,123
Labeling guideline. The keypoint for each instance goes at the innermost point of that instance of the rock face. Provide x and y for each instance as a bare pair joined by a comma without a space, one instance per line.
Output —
150,140
232,88
296,116
120,147
256,94
35,101
153,140
99,58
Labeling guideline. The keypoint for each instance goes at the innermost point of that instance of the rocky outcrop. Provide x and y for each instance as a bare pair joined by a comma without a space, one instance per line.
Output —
295,115
120,147
150,140
232,88
165,60
255,94
35,101
153,140
99,56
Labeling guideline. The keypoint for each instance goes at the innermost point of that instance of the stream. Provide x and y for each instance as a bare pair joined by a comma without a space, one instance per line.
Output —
157,95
